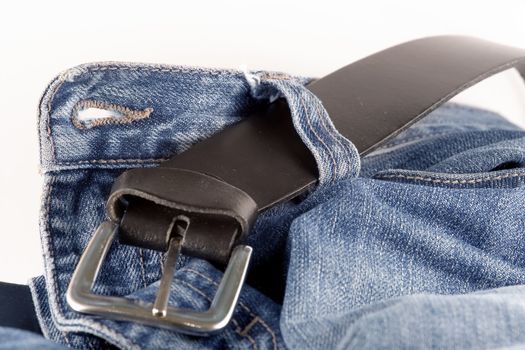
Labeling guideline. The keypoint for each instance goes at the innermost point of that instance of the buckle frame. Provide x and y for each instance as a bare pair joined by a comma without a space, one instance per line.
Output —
80,297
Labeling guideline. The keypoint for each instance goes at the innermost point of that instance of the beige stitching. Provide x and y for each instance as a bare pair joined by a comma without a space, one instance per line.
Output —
275,76
128,115
191,70
234,321
250,325
444,181
113,161
263,323
238,331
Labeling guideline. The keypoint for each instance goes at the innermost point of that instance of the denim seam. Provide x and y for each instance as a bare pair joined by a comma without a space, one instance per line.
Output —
48,119
48,252
335,135
175,69
312,129
43,104
246,308
331,134
38,311
325,126
237,328
445,181
142,266
107,162
112,161
52,283
249,326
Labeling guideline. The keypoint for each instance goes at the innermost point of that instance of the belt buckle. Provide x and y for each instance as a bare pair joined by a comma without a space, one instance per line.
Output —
81,298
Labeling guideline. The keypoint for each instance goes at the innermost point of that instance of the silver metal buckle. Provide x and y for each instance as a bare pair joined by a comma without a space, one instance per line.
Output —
159,314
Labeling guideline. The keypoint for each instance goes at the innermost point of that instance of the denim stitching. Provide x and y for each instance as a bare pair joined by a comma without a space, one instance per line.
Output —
234,321
275,76
52,289
43,104
142,266
47,200
48,119
38,311
316,135
325,126
189,70
333,134
444,181
115,161
263,323
101,162
129,115
308,117
249,326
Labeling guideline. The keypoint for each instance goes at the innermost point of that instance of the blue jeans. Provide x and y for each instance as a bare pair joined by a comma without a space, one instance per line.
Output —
417,245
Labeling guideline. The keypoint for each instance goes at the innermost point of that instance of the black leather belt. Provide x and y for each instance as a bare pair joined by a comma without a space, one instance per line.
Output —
203,202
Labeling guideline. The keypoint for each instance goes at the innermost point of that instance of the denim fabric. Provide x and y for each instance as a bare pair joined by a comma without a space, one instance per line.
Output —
418,245
14,339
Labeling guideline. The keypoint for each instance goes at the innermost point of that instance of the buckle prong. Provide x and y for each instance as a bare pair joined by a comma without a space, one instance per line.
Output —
160,307
82,299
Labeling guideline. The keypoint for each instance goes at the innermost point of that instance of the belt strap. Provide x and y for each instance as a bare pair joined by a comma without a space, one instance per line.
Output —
204,200
16,307
369,102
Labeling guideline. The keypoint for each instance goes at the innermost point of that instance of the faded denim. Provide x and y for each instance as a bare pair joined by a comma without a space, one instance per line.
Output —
418,245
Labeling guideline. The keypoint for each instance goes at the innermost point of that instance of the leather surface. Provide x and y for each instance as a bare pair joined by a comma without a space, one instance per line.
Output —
369,101
162,198
374,99
16,308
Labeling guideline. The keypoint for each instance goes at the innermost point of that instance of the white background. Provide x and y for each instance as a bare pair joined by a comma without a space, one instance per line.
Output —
42,38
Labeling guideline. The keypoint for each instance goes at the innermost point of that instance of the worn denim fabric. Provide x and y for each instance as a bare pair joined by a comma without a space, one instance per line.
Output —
14,339
418,245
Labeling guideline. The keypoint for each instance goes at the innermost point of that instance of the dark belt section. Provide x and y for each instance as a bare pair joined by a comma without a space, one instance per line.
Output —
213,192
16,308
261,161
